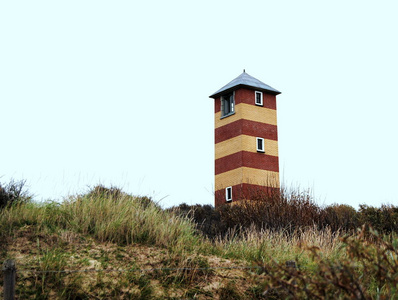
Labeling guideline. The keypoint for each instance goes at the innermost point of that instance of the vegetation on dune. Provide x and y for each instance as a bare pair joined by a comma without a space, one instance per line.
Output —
109,244
13,192
107,215
288,211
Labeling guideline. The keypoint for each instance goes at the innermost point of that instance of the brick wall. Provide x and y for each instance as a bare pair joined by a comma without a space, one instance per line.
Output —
237,162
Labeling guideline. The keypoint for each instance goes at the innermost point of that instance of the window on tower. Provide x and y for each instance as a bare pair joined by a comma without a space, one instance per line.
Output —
228,194
260,145
258,98
227,105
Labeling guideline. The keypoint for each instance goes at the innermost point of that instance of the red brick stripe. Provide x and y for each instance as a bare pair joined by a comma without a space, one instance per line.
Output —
247,96
217,105
228,163
245,127
245,191
246,159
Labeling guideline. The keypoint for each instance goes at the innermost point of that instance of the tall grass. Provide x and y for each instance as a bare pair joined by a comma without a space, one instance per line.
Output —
118,218
266,244
44,216
368,270
125,219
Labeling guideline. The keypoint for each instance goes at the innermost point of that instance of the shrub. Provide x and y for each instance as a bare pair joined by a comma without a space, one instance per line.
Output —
383,219
13,192
275,211
206,218
115,193
283,212
289,211
340,217
101,191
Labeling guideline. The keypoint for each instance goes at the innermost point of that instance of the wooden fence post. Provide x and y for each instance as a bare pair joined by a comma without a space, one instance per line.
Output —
291,264
9,273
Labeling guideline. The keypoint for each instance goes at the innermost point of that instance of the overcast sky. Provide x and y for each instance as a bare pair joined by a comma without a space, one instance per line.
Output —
117,93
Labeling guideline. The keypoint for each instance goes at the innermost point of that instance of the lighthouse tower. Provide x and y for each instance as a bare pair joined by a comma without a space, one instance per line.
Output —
246,140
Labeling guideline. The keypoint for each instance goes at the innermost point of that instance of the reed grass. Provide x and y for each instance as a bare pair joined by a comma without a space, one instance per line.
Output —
124,219
265,244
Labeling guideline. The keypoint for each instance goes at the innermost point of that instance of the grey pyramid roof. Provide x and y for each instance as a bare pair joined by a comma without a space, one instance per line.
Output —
245,80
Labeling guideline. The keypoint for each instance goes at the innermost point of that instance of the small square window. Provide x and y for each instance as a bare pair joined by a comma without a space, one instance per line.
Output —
228,194
260,145
227,105
259,98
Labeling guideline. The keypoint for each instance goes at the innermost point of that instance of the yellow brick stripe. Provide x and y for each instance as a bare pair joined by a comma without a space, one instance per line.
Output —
248,112
244,143
247,175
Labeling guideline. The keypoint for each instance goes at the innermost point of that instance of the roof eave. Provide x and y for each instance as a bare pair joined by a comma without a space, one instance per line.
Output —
217,94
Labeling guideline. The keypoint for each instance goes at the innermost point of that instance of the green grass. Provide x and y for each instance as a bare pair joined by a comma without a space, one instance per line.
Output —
124,220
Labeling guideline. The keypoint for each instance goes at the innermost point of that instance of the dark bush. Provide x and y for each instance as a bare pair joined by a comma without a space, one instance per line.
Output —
13,192
340,217
116,193
206,218
383,219
105,192
288,211
275,211
284,211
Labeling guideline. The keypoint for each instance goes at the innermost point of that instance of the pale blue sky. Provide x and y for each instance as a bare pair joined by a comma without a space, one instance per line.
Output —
116,92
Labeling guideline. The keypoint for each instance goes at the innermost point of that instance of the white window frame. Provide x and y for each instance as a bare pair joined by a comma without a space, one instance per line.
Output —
228,199
261,98
262,150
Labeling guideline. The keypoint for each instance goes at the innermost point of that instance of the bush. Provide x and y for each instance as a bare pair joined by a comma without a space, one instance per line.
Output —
289,212
101,191
115,193
383,219
340,217
286,211
13,192
205,217
281,211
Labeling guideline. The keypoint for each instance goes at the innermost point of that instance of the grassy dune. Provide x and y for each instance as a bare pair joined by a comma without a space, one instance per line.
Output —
111,245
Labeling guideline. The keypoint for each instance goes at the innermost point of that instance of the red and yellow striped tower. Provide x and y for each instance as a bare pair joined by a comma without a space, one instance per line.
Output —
246,140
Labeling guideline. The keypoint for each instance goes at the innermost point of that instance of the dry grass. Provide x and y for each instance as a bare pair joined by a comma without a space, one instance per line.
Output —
264,245
127,219
123,219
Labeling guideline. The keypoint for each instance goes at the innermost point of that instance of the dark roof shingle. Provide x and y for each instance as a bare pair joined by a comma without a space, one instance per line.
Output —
245,79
